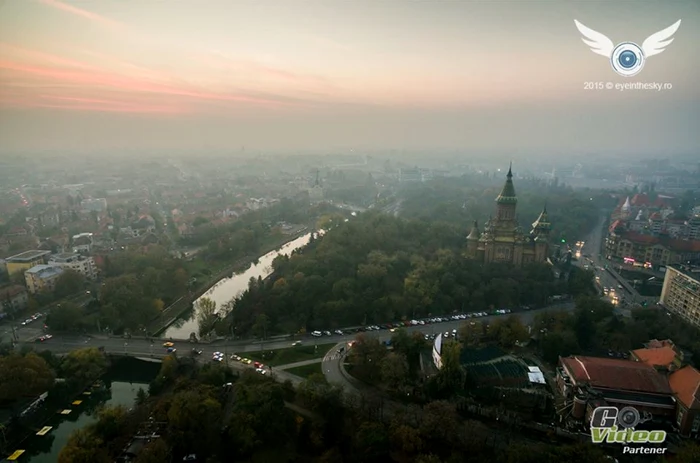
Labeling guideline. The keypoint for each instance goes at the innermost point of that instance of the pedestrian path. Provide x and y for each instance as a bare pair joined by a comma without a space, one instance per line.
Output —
298,364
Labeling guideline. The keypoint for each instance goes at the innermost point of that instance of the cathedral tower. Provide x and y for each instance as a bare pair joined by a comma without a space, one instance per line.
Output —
507,201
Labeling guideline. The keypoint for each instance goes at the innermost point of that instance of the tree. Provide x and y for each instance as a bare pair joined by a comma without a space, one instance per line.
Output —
194,421
68,283
509,331
84,447
366,357
155,452
24,376
206,315
450,379
394,370
67,316
84,365
471,333
261,325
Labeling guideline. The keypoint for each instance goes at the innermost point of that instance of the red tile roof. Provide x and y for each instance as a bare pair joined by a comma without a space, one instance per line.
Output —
617,374
640,199
684,383
670,243
615,224
657,356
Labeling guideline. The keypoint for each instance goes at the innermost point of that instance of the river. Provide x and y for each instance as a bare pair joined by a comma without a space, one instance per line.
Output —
232,287
125,379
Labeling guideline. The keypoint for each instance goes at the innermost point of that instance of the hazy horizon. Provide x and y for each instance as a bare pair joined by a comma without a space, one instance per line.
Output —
103,76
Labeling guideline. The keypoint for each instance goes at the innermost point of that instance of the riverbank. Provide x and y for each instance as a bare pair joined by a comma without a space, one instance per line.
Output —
176,310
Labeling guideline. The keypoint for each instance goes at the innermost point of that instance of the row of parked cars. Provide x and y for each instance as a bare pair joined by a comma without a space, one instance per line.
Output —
31,319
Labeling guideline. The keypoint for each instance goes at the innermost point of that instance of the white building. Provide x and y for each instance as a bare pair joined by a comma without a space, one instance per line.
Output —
84,265
82,243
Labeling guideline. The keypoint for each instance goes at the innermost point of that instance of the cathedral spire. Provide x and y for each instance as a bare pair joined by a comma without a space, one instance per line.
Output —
474,233
507,195
542,222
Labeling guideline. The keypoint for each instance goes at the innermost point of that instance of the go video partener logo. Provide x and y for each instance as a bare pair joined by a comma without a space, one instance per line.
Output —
616,426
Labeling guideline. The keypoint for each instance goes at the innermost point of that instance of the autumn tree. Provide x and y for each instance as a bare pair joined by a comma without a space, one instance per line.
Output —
366,358
24,376
84,447
84,365
66,317
394,370
508,331
206,314
68,283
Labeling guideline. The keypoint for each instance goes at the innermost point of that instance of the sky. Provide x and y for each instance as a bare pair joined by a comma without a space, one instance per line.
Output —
104,76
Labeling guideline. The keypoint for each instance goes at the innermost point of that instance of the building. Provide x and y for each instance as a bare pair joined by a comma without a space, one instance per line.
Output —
82,243
503,239
685,383
12,299
658,250
681,293
410,175
25,261
589,382
79,263
42,278
662,355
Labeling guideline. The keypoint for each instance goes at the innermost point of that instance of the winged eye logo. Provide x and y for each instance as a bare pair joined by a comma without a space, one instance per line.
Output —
627,58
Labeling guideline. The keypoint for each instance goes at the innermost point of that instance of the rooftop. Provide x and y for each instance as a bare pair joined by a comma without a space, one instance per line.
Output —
656,356
44,270
27,256
667,242
624,375
692,273
684,383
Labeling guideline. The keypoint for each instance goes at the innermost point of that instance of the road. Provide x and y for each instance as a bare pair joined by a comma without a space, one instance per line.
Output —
608,278
140,347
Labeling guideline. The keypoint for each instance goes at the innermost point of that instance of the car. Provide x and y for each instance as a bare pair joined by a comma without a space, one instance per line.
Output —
316,334
196,352
339,332
168,344
171,350
296,343
261,371
327,333
235,357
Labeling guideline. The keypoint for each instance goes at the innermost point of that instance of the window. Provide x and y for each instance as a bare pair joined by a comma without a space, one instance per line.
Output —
696,423
679,419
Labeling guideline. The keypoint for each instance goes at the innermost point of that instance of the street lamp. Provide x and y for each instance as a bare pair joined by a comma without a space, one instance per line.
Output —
125,344
151,350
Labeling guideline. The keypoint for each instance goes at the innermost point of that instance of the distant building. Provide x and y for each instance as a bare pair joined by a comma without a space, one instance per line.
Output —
681,293
82,243
145,224
685,384
658,250
504,240
25,261
94,205
661,355
12,299
42,278
84,265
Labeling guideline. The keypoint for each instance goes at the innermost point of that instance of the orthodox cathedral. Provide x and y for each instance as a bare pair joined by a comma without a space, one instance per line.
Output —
503,239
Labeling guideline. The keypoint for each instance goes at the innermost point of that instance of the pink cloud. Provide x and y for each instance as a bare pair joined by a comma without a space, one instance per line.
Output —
93,17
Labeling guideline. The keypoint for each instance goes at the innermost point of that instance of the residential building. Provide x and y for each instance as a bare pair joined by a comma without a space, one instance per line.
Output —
681,293
685,383
12,299
42,278
84,265
589,382
144,224
503,239
25,261
82,242
659,250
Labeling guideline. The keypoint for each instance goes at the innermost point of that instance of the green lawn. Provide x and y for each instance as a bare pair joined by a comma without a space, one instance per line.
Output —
288,355
307,370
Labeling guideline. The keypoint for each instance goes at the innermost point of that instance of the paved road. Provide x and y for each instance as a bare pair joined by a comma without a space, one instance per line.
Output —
143,348
609,278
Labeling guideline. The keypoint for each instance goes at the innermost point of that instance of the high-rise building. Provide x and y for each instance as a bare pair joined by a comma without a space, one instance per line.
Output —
681,293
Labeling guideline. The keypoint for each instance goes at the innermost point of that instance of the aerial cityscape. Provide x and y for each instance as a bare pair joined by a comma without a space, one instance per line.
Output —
344,232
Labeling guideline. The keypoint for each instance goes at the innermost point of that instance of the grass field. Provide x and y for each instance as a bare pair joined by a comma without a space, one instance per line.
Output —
288,355
306,370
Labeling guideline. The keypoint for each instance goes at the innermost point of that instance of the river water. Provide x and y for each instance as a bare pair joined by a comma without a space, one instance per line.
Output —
232,287
50,445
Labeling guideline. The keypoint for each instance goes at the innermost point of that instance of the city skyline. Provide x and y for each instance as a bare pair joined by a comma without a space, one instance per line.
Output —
108,75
